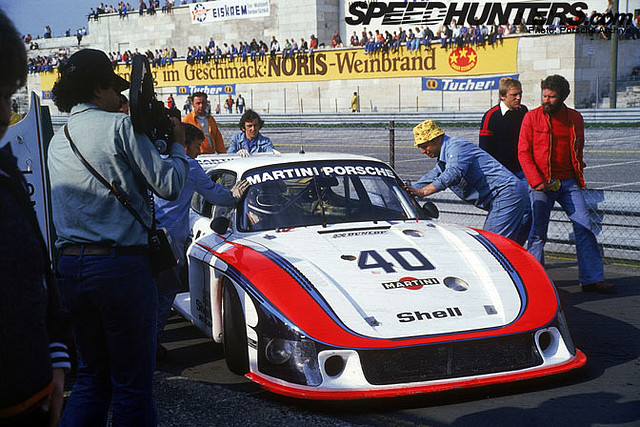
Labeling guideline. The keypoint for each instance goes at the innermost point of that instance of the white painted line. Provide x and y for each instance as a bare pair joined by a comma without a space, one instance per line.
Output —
612,164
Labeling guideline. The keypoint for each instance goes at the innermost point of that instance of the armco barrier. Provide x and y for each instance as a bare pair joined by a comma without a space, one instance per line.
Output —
591,116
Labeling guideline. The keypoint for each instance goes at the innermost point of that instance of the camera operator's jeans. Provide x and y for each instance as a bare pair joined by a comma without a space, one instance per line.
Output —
571,198
113,304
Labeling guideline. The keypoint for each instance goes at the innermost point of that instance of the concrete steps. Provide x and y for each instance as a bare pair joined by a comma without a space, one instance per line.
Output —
628,95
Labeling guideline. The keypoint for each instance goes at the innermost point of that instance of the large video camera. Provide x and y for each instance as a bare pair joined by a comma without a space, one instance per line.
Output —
149,116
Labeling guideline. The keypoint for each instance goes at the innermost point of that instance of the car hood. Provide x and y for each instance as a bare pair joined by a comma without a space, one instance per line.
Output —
396,280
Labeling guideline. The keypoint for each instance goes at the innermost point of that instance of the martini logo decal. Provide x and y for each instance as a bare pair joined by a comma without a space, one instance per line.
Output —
411,283
463,59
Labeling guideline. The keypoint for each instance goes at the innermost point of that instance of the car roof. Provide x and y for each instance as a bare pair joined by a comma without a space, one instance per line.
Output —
240,165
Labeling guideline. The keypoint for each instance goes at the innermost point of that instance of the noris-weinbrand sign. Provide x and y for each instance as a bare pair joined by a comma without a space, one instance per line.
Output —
332,64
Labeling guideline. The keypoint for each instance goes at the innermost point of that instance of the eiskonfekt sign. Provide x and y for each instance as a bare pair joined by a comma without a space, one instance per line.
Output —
223,10
464,13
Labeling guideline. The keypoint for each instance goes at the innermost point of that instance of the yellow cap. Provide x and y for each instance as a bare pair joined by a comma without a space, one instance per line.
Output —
425,132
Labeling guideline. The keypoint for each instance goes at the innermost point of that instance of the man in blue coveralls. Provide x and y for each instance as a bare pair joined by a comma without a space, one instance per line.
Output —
249,140
174,216
476,177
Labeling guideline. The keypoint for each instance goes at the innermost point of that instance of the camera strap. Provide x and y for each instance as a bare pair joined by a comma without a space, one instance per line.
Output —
113,188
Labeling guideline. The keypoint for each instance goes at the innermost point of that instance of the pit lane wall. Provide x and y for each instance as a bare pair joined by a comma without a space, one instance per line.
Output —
325,82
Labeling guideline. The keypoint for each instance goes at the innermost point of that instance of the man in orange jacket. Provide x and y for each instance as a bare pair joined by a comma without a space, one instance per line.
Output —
550,153
213,143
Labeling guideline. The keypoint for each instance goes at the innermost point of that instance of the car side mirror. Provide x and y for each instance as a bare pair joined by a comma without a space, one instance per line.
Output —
430,209
220,225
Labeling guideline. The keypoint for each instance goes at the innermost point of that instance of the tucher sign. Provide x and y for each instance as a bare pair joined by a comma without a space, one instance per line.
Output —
463,85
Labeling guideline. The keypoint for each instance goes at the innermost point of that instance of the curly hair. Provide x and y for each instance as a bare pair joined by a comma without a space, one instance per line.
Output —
13,54
558,84
248,117
75,88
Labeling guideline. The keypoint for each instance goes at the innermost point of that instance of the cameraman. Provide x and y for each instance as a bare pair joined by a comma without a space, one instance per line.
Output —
106,279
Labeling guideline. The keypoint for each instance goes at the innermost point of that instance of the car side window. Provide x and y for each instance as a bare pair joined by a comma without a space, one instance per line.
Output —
204,208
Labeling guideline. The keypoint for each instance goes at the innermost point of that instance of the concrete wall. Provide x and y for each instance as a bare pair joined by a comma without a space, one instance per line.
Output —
582,59
287,19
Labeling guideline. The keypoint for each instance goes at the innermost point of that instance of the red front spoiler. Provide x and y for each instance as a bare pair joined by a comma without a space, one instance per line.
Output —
301,392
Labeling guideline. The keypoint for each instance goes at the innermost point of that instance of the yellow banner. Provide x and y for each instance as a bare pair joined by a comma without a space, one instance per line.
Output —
338,64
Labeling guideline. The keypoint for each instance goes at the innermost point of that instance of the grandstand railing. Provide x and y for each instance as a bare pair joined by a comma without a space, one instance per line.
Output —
591,116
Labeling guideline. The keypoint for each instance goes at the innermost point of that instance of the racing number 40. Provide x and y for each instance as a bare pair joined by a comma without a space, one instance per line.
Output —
410,259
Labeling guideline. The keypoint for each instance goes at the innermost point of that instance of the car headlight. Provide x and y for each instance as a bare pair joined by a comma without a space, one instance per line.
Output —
279,351
291,360
285,353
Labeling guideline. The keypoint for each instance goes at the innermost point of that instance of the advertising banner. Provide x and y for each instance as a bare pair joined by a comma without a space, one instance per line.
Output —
223,10
210,90
463,85
334,64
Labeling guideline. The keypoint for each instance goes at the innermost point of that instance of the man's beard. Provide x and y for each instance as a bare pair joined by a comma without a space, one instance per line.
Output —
551,108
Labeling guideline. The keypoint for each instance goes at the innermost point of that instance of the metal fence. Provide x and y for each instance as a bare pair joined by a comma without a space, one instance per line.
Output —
592,116
612,155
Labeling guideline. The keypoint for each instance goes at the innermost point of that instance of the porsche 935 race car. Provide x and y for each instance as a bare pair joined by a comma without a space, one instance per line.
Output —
328,281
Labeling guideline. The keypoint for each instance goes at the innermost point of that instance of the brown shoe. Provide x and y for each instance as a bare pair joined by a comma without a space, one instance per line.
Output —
598,287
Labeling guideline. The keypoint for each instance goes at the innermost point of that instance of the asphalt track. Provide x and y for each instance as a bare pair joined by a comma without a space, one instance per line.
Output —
194,388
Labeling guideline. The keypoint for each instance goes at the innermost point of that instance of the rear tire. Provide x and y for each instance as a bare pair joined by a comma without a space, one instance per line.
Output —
234,336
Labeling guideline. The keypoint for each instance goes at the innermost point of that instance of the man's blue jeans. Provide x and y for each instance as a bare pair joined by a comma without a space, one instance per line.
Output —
570,197
113,305
169,285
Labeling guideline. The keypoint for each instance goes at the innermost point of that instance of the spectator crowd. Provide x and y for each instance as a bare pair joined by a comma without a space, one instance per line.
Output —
372,41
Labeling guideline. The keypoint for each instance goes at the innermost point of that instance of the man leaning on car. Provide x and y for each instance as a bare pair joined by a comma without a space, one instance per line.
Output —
106,279
476,177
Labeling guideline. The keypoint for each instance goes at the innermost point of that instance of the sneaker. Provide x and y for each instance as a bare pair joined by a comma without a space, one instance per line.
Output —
598,287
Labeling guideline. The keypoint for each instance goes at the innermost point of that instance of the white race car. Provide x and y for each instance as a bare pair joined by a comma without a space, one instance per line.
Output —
329,282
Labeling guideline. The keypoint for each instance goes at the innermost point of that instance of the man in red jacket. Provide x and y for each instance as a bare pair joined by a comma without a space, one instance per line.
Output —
550,153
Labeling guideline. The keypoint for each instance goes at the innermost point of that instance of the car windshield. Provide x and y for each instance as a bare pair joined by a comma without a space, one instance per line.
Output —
322,193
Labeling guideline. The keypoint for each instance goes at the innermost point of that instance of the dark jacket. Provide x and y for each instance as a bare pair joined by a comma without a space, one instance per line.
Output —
34,330
499,135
